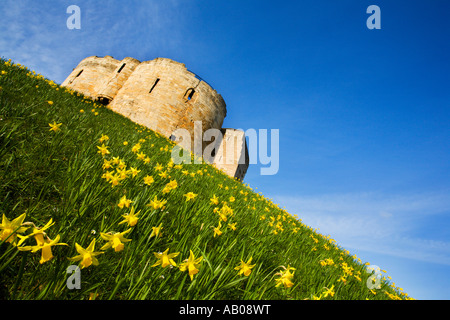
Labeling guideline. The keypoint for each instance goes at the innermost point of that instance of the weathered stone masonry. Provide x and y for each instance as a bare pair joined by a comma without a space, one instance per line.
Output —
162,95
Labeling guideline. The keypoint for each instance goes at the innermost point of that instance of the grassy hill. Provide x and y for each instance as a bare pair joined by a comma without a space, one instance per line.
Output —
75,176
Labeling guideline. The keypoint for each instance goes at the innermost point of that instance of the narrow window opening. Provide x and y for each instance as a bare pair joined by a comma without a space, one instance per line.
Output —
191,94
78,74
154,85
118,71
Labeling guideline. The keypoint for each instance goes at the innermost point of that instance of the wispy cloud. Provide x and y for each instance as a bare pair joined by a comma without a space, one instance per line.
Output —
35,33
377,223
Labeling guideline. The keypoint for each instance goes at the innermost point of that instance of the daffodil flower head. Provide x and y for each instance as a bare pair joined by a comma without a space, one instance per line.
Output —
103,138
329,292
285,278
54,126
217,230
232,226
148,180
86,256
134,171
157,204
124,202
103,150
9,229
165,259
115,240
214,200
190,195
44,244
192,264
156,231
245,267
131,218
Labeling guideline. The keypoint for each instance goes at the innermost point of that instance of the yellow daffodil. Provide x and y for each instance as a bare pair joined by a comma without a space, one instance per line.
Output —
106,164
226,210
232,226
44,244
87,256
136,147
103,138
156,231
190,195
342,279
217,231
115,160
165,259
245,267
103,150
9,229
50,102
37,233
134,171
222,216
170,186
163,174
122,173
214,200
329,292
121,165
54,126
115,240
192,264
232,199
157,204
124,202
114,180
131,218
148,180
141,156
285,278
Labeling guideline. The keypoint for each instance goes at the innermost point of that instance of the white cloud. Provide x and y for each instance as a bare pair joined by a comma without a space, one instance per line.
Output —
35,33
377,223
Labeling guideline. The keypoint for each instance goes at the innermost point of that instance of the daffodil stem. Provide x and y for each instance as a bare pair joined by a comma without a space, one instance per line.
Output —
19,275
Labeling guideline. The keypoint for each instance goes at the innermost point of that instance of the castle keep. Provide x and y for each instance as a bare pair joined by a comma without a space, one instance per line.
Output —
164,96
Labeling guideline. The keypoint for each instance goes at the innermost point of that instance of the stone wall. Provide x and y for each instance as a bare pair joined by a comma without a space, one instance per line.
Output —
164,96
90,74
232,155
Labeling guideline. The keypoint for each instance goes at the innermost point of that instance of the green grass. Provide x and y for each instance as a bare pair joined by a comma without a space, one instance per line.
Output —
60,175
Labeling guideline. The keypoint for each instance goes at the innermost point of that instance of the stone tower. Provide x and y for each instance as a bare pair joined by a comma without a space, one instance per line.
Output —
164,96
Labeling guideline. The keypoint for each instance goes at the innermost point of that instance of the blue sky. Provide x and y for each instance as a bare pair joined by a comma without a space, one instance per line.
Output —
363,115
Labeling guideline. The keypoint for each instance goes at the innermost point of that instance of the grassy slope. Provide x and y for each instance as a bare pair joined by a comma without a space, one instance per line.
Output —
58,175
